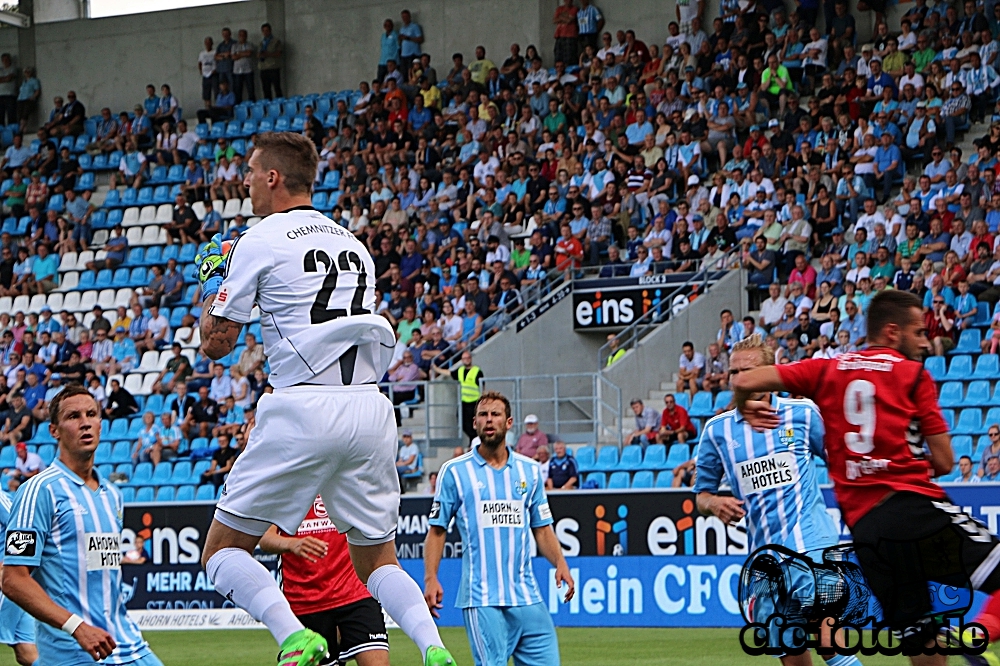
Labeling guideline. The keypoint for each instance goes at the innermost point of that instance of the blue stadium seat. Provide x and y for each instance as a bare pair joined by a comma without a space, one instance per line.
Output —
274,110
115,217
67,142
86,162
131,198
154,403
982,314
136,425
144,495
128,494
722,400
643,479
47,452
135,257
103,279
161,195
664,479
186,255
968,342
331,181
949,417
249,127
204,152
618,481
159,175
978,394
120,279
168,252
962,444
200,467
81,143
992,416
177,317
85,182
199,443
234,129
206,493
175,174
103,454
9,226
165,494
119,429
282,124
145,197
951,394
57,202
139,277
122,452
218,130
701,405
970,422
607,459
105,470
240,146
679,453
181,474
982,444
298,123
124,468
99,163
161,474
8,456
154,255
960,368
631,459
319,200
184,494
597,479
265,125
586,458
935,365
201,130
655,458
987,367
682,399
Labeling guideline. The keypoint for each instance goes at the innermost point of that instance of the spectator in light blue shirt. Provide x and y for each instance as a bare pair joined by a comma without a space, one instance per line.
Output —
410,37
46,269
389,48
731,331
637,131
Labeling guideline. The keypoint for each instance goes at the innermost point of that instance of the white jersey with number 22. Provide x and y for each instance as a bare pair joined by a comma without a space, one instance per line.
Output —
315,285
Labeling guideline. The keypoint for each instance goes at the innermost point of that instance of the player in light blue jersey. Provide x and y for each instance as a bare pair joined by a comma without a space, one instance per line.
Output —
497,499
62,561
17,628
773,480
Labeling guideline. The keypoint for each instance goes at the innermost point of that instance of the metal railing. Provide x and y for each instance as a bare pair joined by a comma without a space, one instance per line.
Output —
433,413
672,303
581,408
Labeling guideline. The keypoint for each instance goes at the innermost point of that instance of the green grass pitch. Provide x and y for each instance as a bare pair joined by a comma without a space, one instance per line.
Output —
579,647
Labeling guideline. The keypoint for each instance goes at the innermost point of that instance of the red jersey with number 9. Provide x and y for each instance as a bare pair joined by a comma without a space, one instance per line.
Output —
313,587
877,406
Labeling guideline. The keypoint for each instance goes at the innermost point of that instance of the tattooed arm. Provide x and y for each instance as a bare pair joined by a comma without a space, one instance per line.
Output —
218,334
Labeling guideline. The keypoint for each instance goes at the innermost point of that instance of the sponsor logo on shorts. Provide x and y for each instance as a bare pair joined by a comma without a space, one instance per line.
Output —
103,550
21,543
378,637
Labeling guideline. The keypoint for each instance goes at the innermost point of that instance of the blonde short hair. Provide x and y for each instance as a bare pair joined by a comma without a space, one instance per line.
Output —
755,343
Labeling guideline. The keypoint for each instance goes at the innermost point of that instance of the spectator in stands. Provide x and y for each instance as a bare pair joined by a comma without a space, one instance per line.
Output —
563,474
405,372
119,404
18,427
242,56
224,58
684,475
159,328
232,418
168,440
8,90
991,451
27,97
407,458
532,438
124,356
27,465
692,369
179,369
647,424
269,55
759,262
206,67
15,195
202,416
131,167
136,554
220,387
716,369
966,472
675,425
102,354
772,308
730,331
143,449
940,323
992,474
222,460
45,270
222,108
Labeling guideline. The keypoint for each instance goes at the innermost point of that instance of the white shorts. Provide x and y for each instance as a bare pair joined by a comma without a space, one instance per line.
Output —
335,441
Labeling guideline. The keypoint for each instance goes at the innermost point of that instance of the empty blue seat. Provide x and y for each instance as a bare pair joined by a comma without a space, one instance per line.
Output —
987,367
960,368
206,493
949,417
319,200
99,163
8,456
951,394
181,474
161,194
218,131
982,314
233,129
86,162
162,473
992,417
331,181
978,394
200,467
177,317
120,278
144,495
664,479
130,197
240,146
655,458
184,494
618,481
723,400
119,429
105,470
968,342
103,453
631,458
586,458
186,254
643,479
201,129
139,277
57,202
142,474
121,452
175,174
596,479
935,365
679,454
282,124
962,445
607,459
249,127
128,494
265,125
136,256
124,468
85,182
103,280
159,174
80,144
145,197
701,405
970,422
165,494
682,399
47,452
298,123
115,217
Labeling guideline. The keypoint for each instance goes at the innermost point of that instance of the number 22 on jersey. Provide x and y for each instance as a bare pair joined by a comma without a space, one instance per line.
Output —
347,263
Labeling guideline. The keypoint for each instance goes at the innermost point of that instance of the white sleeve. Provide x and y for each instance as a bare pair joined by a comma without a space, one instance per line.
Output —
250,260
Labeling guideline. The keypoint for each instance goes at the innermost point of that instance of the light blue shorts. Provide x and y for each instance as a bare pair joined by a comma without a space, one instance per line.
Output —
16,626
523,632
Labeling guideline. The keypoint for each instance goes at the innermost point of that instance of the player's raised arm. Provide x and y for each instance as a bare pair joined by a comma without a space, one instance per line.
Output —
750,383
23,590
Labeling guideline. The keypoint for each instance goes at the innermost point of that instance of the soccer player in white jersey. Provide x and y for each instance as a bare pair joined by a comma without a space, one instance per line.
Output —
497,499
784,509
62,556
326,429
17,628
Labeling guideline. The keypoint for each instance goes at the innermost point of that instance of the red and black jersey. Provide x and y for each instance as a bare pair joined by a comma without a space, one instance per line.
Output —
878,406
313,587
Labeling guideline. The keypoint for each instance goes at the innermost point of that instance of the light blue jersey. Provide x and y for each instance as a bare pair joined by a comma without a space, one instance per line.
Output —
16,626
773,473
71,536
495,510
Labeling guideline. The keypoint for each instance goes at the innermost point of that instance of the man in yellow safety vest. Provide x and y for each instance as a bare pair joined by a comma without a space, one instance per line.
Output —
468,376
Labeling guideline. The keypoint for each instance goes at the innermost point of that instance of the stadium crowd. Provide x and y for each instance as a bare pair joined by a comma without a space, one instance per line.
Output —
765,144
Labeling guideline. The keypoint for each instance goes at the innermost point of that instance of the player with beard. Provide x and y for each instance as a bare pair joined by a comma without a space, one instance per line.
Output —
497,499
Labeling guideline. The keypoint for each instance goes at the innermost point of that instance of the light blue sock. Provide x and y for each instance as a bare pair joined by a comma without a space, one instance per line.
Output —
843,660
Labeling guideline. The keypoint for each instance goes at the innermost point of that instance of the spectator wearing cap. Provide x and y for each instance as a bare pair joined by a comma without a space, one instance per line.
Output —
407,458
532,438
27,464
563,474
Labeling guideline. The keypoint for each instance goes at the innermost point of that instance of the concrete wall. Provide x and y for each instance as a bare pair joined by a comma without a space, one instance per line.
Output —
642,369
